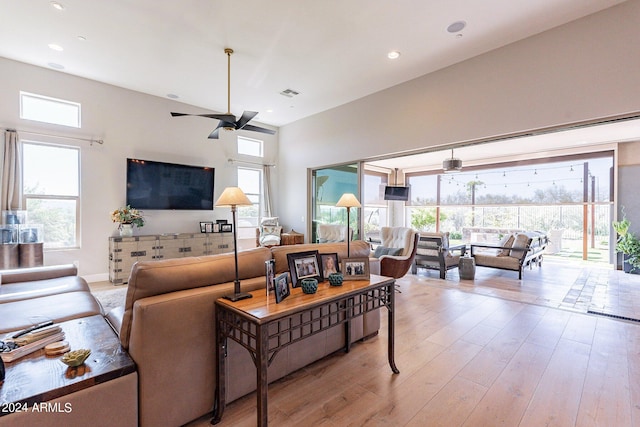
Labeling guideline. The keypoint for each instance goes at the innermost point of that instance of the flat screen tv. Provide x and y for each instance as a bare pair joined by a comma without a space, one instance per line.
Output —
157,185
396,193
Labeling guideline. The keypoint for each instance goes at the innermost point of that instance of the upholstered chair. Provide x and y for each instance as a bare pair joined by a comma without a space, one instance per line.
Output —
331,233
395,252
269,232
434,253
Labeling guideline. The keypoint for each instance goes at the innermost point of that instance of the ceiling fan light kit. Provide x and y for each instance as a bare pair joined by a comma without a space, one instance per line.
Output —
452,165
228,121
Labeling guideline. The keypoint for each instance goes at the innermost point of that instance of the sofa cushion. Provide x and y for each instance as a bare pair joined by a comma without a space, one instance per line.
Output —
70,305
270,235
269,220
521,241
383,250
39,288
506,242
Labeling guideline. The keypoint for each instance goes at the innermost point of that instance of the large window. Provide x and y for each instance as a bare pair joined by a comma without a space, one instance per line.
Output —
250,181
51,191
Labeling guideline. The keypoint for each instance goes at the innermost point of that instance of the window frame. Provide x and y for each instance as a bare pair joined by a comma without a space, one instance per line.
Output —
77,199
253,140
49,99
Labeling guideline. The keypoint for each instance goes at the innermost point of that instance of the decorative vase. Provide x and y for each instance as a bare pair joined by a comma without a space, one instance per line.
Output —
126,230
335,279
309,286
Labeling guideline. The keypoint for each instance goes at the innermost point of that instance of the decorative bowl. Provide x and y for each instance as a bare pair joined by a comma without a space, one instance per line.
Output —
335,279
309,286
76,357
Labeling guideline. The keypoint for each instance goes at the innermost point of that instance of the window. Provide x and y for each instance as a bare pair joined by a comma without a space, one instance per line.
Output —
250,181
49,110
51,191
375,207
250,147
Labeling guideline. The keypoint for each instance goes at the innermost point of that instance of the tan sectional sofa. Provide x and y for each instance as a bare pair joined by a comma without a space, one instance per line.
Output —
33,295
167,326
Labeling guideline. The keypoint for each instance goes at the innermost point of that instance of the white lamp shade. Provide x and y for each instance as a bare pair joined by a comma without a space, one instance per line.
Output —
233,196
348,200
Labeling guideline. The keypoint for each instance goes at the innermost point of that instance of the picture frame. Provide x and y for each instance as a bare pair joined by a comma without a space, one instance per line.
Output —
303,265
329,264
269,272
226,228
206,226
281,287
355,268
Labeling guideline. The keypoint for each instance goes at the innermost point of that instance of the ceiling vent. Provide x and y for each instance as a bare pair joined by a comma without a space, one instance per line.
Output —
289,93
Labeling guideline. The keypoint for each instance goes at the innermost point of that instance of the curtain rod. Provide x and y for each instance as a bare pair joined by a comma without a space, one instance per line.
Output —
90,140
230,160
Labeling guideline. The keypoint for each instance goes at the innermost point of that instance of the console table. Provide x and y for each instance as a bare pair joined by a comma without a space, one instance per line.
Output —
126,251
264,328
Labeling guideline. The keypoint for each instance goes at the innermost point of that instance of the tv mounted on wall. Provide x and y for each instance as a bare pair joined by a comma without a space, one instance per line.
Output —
396,193
157,185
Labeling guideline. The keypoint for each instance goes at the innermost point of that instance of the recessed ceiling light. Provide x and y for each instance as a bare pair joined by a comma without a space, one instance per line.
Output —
456,27
269,110
56,66
56,5
82,38
172,96
394,54
56,47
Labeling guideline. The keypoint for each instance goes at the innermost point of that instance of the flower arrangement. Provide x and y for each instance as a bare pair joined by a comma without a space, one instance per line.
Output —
128,215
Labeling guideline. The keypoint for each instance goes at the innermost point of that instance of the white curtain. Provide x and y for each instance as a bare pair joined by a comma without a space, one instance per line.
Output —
267,190
11,172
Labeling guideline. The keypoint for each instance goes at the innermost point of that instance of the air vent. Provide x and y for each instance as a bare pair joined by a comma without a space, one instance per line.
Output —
289,93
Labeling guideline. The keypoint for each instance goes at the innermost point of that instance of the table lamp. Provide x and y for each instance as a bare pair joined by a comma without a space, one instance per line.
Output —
348,200
232,197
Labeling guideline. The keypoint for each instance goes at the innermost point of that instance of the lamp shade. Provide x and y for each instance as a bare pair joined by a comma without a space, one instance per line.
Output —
233,196
348,200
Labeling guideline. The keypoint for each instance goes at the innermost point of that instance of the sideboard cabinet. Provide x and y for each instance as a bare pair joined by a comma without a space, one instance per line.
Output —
126,251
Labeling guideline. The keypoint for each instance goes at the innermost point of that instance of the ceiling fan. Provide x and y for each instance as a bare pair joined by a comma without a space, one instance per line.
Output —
228,121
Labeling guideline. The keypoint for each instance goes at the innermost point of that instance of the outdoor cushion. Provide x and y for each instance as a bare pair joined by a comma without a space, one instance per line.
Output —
521,241
506,242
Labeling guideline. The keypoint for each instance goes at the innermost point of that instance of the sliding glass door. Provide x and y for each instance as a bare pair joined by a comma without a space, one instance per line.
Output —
327,186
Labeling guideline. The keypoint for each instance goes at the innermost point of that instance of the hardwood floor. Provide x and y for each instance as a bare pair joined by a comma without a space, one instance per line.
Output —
499,352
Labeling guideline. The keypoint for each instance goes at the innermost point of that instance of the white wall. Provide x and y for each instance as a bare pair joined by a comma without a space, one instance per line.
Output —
132,125
580,71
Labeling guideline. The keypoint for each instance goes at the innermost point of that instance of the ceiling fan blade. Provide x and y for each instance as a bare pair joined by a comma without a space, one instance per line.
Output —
259,129
221,124
245,118
224,117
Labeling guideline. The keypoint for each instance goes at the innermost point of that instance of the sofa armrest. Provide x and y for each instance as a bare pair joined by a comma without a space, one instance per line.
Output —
114,319
37,273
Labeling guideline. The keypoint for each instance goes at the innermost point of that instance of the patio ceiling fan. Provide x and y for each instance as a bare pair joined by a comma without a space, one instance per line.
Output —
228,121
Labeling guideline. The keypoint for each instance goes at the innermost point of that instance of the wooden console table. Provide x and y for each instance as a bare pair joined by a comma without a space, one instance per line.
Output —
37,378
264,327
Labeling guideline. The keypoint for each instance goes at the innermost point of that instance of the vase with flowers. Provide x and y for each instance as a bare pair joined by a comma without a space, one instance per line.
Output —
126,218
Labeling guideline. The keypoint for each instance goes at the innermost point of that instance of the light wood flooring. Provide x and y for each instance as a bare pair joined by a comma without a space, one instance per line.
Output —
494,351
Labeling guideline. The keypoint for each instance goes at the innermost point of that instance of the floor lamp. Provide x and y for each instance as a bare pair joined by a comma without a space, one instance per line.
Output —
348,200
232,197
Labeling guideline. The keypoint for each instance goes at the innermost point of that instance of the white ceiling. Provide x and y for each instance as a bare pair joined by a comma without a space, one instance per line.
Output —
331,51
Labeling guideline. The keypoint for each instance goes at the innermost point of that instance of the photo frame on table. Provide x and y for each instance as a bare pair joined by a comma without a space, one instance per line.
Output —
329,264
281,285
303,265
206,226
226,228
355,268
269,273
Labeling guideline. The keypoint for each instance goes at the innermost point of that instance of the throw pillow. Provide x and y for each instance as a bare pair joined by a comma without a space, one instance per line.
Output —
521,241
506,242
380,250
269,220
